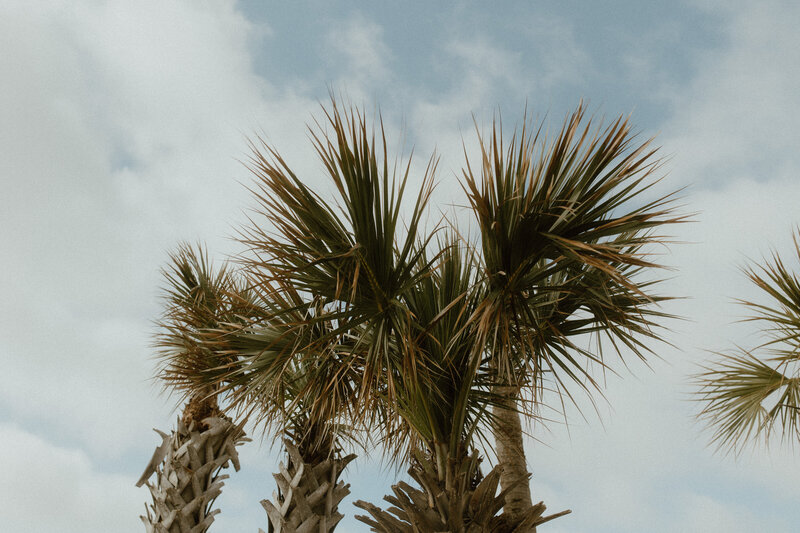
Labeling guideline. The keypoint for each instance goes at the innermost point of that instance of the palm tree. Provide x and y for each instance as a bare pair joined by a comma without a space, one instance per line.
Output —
293,354
188,462
378,306
226,338
567,237
212,326
564,248
748,393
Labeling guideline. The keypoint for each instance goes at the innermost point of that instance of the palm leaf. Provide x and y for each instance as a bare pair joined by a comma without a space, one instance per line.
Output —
746,398
442,408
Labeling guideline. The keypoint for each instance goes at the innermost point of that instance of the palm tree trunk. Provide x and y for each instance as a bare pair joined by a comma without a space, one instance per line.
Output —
308,495
511,455
187,466
461,501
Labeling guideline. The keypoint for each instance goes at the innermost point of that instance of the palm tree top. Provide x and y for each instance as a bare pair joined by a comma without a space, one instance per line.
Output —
199,299
568,231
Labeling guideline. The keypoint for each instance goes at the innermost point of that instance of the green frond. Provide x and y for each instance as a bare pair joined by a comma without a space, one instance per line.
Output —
780,319
291,375
444,407
356,258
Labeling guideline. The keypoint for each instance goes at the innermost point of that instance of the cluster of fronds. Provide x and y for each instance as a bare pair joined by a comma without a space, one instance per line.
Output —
564,245
749,394
200,301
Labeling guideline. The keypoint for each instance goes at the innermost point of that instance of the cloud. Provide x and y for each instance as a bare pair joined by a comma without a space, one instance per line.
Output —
357,44
484,72
51,488
738,116
558,58
120,141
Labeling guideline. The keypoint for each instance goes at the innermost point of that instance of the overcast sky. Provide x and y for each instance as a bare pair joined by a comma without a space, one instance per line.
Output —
121,127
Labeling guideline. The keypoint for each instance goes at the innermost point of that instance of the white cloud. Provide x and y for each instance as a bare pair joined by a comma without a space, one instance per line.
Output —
357,44
739,117
122,128
697,513
50,488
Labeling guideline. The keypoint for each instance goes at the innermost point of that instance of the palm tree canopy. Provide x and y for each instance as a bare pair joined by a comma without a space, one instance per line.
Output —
357,320
291,372
566,235
355,260
308,335
199,298
446,401
748,394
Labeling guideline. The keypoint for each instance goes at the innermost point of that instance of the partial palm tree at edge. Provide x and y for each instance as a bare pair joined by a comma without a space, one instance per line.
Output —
747,394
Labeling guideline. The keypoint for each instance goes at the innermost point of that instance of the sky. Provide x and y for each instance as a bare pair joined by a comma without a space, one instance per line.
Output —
122,128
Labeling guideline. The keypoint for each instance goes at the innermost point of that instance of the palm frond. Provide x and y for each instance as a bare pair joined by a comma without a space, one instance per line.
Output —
444,408
780,319
746,398
289,374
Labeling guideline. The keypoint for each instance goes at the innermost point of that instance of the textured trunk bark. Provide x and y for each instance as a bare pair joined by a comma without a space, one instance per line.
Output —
511,455
447,500
456,504
187,467
308,495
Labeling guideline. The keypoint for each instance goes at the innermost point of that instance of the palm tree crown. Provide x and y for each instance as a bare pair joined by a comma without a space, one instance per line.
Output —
565,241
